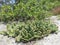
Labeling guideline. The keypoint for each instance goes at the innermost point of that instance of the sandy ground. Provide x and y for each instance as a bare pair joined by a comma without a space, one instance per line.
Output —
52,39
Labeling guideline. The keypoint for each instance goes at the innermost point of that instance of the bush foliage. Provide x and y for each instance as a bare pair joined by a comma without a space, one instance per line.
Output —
33,12
30,30
27,9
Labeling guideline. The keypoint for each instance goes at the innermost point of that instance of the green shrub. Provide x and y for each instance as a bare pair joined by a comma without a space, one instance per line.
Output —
35,11
28,8
30,30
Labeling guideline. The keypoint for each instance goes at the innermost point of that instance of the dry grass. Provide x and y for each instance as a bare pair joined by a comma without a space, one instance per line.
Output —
56,10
